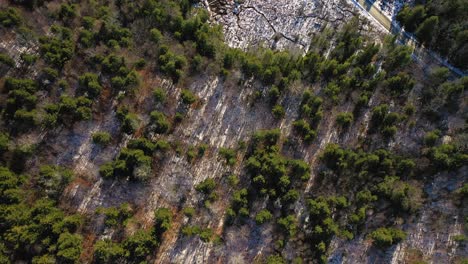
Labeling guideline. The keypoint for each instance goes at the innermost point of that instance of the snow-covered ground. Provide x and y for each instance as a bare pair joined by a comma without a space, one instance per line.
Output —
390,7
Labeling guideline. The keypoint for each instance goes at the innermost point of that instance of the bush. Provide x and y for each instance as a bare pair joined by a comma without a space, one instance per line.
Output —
171,64
58,50
7,60
139,246
106,251
113,35
263,216
101,138
28,59
155,35
278,111
162,221
189,211
403,196
384,121
275,259
129,121
344,119
229,155
159,95
69,247
303,128
10,17
159,124
447,157
397,57
88,22
201,150
274,94
4,143
233,180
431,137
299,169
385,237
89,85
206,187
187,97
205,233
400,83
53,180
288,224
143,144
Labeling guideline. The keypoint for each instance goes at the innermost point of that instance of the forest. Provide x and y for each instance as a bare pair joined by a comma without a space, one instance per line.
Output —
88,61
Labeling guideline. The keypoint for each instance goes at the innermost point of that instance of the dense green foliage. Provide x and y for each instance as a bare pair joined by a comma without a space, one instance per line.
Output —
385,237
441,25
101,138
135,69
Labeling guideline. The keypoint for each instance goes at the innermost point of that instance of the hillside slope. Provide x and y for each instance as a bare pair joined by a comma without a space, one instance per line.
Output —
131,133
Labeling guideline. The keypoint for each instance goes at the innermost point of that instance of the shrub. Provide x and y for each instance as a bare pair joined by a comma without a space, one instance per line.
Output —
299,169
288,224
400,83
50,74
10,17
143,144
160,124
69,247
106,251
303,128
67,11
344,119
155,35
4,142
58,50
88,22
384,121
274,94
162,220
332,90
409,109
159,95
89,85
397,57
278,111
28,59
431,137
189,211
139,245
263,216
233,180
447,156
205,234
129,121
107,170
229,155
385,237
171,64
113,35
402,195
101,138
53,180
201,150
162,145
275,259
7,60
206,186
187,97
